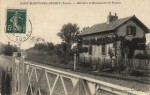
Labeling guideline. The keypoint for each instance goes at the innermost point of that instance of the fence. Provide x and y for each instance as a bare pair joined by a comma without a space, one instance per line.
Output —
140,64
37,79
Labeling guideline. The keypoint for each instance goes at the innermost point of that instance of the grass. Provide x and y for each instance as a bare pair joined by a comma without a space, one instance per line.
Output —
43,58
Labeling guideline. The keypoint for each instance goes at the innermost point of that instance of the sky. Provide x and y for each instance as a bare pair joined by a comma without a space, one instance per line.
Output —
48,19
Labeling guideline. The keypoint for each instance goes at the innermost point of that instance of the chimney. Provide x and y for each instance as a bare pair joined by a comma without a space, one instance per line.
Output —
111,18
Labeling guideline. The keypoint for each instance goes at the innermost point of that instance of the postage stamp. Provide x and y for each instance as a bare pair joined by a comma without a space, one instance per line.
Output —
16,21
18,28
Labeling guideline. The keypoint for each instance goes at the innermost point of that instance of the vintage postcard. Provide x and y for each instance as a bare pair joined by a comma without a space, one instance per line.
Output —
74,47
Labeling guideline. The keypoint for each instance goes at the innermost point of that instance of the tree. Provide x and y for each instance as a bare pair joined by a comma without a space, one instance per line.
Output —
36,40
39,43
69,35
9,49
50,46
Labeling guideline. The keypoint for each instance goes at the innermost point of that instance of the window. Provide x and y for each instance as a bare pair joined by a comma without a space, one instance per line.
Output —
103,49
131,30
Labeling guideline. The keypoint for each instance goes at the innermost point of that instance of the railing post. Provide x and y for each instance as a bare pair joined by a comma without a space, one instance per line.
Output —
75,63
19,78
13,76
22,76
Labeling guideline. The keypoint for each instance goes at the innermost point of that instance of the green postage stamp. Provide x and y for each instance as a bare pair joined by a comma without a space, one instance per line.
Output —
16,21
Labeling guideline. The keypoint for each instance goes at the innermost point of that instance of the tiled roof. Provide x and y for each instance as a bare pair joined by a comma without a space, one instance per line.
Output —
105,27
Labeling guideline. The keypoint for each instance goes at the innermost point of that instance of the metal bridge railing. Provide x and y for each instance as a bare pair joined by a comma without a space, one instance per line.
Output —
37,79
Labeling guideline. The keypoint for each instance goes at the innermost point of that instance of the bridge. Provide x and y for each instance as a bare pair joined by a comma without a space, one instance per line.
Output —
37,79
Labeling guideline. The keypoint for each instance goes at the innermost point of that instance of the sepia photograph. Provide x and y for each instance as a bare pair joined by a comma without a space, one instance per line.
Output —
74,47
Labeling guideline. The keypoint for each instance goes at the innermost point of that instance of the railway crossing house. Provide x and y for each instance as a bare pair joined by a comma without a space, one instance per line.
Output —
124,37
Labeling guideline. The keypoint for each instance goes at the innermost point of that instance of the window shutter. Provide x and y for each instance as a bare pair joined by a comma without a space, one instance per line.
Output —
134,31
104,50
127,30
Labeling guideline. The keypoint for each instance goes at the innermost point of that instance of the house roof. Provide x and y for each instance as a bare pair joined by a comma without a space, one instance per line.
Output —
104,27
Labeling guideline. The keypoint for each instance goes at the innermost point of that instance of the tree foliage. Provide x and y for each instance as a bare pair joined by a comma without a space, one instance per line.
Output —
36,40
9,49
132,45
69,33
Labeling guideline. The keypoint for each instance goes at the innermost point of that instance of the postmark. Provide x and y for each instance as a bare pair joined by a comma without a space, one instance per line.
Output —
18,27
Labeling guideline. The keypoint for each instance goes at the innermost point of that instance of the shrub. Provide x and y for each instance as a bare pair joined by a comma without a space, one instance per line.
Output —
83,49
141,56
141,73
135,73
9,49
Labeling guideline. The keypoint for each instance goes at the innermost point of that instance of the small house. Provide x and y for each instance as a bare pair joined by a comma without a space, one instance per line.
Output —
115,38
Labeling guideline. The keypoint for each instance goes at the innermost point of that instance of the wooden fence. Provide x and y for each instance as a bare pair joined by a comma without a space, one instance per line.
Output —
141,64
29,79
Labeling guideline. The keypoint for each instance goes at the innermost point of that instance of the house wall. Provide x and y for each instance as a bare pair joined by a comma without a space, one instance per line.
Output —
139,33
122,30
97,52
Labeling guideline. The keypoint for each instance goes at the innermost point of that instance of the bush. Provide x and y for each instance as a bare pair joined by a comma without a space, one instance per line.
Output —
9,49
138,73
135,73
83,49
141,56
85,65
